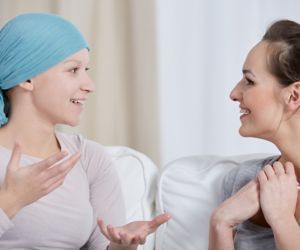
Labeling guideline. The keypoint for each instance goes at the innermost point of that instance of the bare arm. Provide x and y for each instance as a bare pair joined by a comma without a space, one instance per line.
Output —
230,213
287,234
220,235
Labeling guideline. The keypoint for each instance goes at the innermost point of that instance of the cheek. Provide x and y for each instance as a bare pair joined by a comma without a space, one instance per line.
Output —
264,107
50,97
269,115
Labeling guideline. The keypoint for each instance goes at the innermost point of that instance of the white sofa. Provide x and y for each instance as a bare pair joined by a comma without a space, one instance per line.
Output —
188,189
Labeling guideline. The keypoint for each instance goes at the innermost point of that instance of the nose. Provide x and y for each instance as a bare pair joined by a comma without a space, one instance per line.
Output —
88,84
235,94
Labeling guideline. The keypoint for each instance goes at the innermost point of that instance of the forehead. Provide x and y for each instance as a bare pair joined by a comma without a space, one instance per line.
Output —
256,60
81,56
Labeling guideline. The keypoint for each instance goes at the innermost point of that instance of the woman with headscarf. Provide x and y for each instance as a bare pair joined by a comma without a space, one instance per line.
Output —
53,203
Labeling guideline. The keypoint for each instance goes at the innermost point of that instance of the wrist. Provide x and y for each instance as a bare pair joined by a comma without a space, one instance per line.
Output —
282,222
220,221
9,204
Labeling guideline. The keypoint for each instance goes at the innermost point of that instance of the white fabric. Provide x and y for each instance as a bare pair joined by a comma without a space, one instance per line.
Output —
138,176
189,188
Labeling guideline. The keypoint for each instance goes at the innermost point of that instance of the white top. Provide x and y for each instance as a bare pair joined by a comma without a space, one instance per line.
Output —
66,218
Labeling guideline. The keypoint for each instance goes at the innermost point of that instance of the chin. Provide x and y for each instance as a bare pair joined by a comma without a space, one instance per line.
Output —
74,123
71,122
245,133
253,134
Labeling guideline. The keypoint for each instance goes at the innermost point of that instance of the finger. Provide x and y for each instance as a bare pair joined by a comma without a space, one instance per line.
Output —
142,239
59,177
157,221
135,240
269,171
113,234
50,161
125,239
55,176
14,161
289,168
63,167
51,186
278,168
103,228
55,181
262,178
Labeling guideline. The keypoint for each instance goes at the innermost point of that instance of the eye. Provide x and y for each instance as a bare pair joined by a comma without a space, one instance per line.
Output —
74,70
248,81
87,69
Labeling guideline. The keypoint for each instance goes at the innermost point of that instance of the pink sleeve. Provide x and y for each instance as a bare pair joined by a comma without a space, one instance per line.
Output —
5,222
105,191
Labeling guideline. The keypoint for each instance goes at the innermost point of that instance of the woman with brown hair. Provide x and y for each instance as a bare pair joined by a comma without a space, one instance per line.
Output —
261,208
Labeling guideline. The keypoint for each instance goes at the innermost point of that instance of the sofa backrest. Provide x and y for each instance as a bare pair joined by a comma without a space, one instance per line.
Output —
189,189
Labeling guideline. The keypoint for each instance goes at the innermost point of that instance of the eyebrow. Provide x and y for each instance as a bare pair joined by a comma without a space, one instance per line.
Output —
72,60
248,71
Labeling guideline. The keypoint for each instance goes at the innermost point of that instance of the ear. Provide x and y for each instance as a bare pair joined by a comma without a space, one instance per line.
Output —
27,85
292,96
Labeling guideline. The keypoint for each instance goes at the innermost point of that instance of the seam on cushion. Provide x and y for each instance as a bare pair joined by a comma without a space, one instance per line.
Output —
144,177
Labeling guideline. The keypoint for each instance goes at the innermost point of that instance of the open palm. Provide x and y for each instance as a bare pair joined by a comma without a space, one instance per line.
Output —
133,233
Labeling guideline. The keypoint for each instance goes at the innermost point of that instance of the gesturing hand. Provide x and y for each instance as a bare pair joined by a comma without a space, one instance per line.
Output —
133,233
278,191
24,185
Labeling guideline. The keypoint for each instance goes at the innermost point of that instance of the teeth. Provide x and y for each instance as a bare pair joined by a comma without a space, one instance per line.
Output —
244,111
76,101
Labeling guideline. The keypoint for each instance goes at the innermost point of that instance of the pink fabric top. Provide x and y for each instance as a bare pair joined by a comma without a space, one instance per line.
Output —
66,218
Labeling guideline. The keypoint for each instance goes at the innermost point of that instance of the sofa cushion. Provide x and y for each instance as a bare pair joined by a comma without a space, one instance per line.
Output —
138,181
189,189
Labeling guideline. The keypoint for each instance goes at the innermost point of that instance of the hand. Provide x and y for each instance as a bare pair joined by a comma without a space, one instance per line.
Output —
24,185
133,233
238,208
278,192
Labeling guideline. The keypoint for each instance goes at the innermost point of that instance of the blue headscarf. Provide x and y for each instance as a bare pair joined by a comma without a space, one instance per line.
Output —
31,44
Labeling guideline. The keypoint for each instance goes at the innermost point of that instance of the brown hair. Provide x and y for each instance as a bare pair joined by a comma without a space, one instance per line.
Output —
284,58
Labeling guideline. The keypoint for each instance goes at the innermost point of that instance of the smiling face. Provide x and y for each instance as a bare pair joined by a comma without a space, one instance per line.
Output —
260,96
59,93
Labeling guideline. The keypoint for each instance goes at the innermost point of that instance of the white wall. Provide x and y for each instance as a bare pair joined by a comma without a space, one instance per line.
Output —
201,49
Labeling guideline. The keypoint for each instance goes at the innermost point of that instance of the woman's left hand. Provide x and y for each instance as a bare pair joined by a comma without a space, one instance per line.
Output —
278,192
133,233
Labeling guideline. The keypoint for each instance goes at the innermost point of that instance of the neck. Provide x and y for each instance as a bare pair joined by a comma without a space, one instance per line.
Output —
36,137
289,145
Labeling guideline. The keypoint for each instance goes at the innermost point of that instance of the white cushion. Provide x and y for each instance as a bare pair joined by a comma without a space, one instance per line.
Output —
138,181
189,189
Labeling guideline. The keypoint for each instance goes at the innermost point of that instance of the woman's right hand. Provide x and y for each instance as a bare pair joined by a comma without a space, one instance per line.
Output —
239,207
24,185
